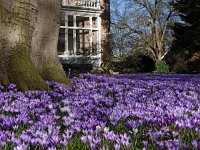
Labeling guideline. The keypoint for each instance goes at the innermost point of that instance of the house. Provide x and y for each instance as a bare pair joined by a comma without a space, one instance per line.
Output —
84,27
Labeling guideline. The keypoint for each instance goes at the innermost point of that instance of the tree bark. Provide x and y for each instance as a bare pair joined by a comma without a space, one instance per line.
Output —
18,19
44,42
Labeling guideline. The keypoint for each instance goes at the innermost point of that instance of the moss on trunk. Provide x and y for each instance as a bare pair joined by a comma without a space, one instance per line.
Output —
22,72
53,71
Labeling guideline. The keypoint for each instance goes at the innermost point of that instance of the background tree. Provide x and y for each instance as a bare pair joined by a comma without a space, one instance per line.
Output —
184,55
28,40
142,25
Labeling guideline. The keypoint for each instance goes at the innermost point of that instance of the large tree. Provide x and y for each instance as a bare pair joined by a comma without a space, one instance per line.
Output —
185,51
28,40
143,25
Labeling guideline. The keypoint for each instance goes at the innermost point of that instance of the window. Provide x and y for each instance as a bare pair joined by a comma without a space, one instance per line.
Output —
79,35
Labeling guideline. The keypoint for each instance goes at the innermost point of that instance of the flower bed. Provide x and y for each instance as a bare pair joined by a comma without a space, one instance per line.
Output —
104,112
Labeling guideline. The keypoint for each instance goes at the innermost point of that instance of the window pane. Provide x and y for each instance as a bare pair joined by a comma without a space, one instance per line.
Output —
82,21
94,42
61,42
70,41
70,21
94,22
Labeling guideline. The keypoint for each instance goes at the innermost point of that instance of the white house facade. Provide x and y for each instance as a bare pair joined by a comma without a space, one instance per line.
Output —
82,31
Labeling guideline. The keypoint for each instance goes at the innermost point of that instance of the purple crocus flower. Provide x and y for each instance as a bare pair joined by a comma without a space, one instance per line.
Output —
117,146
195,144
21,147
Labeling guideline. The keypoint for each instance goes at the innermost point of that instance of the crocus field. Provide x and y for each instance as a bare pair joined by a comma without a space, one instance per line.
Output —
101,112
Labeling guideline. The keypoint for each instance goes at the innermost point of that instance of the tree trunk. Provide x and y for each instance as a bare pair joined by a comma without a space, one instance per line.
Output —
17,24
44,42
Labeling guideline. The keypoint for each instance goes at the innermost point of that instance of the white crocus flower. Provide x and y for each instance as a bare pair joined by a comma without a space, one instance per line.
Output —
65,109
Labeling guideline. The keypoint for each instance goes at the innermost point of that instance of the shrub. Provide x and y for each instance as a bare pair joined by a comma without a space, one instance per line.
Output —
135,63
161,67
138,63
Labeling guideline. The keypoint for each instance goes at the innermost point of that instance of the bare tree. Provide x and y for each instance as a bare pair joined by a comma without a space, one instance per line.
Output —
146,25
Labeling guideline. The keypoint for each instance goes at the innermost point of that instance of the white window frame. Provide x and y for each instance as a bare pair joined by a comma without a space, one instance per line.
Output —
75,28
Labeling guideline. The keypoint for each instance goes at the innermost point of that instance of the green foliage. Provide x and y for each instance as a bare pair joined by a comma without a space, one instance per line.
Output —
161,67
76,143
186,37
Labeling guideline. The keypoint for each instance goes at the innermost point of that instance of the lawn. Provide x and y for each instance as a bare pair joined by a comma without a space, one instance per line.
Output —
100,112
